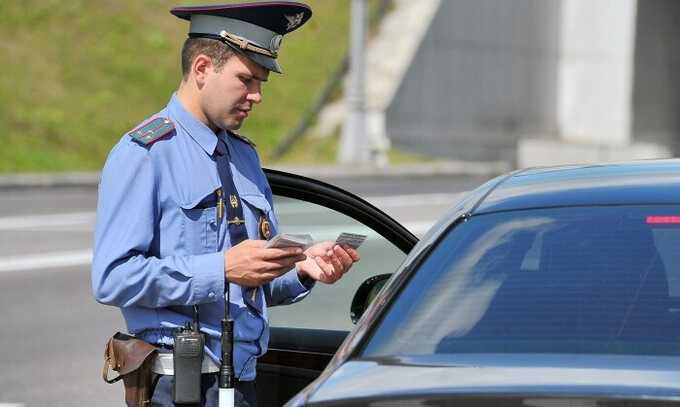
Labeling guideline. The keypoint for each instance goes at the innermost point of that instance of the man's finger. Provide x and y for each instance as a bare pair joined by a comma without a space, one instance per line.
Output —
252,244
326,268
353,253
344,257
321,248
280,252
285,263
338,267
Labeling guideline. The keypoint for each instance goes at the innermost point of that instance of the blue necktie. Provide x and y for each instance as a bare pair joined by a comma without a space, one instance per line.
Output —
235,221
236,225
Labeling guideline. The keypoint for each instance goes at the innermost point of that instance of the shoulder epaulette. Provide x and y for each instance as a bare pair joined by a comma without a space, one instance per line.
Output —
152,131
243,139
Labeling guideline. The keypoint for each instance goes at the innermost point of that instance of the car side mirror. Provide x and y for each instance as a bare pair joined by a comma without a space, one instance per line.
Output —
365,295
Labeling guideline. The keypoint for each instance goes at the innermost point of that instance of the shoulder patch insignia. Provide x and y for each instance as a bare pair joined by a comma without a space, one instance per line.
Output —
243,139
152,131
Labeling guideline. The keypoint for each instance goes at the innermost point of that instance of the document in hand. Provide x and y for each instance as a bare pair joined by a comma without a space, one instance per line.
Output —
350,239
291,240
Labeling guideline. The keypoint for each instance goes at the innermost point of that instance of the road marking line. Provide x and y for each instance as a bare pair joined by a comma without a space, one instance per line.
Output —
32,261
415,200
46,221
84,257
88,218
75,258
12,405
330,232
385,203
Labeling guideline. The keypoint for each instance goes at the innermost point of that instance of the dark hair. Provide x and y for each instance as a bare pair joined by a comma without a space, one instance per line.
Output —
216,50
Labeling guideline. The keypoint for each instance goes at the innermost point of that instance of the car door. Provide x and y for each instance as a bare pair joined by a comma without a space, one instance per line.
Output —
305,335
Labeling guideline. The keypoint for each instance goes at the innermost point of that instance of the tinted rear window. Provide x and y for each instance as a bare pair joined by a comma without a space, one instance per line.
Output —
571,280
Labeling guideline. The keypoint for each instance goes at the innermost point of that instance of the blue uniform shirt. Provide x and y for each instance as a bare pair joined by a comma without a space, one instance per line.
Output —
159,249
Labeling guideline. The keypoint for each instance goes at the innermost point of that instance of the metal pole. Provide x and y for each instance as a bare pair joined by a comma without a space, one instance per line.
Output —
354,144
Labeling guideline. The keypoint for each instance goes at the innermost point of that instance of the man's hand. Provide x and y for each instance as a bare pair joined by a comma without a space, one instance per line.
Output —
250,264
327,262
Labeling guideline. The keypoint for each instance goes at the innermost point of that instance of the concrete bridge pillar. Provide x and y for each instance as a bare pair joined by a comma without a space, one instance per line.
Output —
596,77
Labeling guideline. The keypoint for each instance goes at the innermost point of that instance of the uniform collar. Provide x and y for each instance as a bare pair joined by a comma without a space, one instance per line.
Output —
201,133
224,136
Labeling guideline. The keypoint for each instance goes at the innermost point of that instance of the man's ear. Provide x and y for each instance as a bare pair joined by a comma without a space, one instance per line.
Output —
200,68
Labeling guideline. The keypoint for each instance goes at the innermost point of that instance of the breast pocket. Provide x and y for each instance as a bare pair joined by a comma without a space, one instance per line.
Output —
262,211
200,226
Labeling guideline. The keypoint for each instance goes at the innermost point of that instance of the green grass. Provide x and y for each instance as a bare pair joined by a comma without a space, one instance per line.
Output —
406,157
311,150
79,74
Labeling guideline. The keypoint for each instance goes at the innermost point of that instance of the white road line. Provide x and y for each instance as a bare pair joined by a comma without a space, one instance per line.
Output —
415,200
52,221
52,260
45,261
331,232
46,221
385,203
75,258
11,405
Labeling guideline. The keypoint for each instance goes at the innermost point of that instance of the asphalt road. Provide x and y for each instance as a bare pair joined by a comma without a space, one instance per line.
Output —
53,333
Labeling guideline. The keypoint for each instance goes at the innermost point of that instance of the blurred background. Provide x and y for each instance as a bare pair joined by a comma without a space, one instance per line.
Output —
405,103
522,82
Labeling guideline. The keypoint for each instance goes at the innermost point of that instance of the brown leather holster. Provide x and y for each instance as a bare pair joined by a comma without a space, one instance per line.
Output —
132,358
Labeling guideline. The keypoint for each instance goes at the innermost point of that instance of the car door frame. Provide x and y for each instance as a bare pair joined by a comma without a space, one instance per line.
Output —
297,356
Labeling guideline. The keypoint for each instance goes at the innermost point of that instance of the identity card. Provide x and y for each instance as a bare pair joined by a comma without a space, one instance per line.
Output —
352,240
303,241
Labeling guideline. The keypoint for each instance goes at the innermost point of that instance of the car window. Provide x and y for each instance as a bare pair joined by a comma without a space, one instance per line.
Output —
562,280
327,306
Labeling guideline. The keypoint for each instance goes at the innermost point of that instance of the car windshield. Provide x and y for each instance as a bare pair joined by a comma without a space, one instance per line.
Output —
597,280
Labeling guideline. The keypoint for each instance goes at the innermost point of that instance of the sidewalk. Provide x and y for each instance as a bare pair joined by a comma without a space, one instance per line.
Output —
453,168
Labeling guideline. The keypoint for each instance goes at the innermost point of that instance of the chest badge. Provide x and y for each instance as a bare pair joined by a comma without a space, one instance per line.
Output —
236,221
265,228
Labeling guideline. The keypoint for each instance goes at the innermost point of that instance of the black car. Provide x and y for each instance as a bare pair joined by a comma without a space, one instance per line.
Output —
545,287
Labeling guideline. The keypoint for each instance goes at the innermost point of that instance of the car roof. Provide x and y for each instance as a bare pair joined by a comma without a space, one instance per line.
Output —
629,183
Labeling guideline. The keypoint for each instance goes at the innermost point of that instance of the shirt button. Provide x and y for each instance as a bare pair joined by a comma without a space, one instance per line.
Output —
211,295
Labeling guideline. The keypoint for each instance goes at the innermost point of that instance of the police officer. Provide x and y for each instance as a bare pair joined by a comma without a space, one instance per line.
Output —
184,207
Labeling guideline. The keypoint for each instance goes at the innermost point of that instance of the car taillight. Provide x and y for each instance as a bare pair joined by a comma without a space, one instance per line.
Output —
663,220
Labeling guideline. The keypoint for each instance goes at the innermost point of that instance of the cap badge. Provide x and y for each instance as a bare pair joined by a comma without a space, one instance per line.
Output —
245,44
294,20
275,44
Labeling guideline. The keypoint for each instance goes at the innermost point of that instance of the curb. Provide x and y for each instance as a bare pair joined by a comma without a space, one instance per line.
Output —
49,180
453,168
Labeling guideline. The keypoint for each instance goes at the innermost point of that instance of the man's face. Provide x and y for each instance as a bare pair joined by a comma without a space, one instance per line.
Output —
231,91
